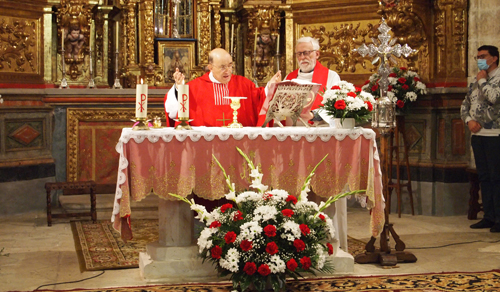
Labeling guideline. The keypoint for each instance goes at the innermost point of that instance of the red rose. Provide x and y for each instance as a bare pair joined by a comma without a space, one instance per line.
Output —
416,79
224,207
246,245
238,216
272,248
291,265
405,87
330,248
264,270
370,106
375,87
366,82
270,230
304,229
216,252
393,75
250,268
402,80
299,245
306,263
287,213
215,224
400,104
335,87
357,89
402,68
340,105
351,94
322,217
292,199
389,88
230,237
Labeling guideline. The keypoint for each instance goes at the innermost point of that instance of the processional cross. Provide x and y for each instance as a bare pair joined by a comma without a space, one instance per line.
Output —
383,118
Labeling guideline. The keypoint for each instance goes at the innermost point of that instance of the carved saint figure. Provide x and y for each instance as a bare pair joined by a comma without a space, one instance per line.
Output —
74,42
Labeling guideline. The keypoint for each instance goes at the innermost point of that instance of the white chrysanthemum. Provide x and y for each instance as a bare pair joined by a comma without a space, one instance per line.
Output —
374,77
204,241
330,228
356,104
412,96
249,231
392,80
276,265
291,231
392,96
278,195
248,196
265,213
367,96
321,256
306,207
230,262
421,86
410,74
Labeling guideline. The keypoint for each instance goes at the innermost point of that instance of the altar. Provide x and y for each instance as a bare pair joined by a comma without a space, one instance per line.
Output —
163,161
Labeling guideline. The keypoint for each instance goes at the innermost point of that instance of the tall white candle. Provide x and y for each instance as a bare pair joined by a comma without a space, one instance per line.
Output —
90,61
183,97
62,39
232,38
117,34
255,44
278,44
141,100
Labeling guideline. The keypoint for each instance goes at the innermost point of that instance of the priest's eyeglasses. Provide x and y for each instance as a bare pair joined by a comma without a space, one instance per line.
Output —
304,53
225,67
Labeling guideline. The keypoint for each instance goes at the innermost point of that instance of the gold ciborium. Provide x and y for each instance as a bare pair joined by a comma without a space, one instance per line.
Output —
235,105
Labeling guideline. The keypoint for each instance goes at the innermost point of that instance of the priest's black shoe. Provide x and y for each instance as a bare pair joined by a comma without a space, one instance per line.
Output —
495,228
483,224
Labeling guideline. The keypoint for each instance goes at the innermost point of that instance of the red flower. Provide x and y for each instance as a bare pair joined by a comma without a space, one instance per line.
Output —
370,105
287,213
304,229
215,224
230,237
357,89
272,248
335,87
375,87
292,199
402,80
322,217
270,230
366,82
351,94
306,263
246,245
238,216
292,265
416,79
393,75
402,68
267,196
250,268
340,105
299,245
405,87
400,104
224,207
264,270
389,88
216,252
330,248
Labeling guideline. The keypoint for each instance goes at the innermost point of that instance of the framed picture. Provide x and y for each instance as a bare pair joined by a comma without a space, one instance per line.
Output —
176,54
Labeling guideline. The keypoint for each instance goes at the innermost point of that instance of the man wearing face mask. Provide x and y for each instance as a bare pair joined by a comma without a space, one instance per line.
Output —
481,112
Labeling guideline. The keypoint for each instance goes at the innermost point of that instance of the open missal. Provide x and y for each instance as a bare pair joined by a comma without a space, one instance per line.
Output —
289,98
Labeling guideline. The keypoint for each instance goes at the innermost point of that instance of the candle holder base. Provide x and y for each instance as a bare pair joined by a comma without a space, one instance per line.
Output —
141,124
91,84
235,125
64,83
117,84
183,125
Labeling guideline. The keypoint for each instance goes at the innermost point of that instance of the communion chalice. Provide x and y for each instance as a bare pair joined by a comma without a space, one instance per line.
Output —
235,105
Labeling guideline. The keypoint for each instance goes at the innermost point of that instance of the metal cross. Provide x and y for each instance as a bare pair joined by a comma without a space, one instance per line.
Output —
223,120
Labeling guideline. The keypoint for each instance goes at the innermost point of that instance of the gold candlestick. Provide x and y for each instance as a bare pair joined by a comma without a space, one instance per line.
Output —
184,124
142,124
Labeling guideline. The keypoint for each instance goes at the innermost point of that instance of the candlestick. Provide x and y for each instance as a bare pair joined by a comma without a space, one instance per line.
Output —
141,100
255,44
117,34
232,38
183,96
278,44
91,77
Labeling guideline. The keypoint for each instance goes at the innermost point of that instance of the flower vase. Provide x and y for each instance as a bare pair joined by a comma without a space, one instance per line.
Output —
347,123
269,286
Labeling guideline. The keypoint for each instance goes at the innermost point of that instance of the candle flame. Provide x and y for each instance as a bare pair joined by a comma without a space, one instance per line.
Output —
141,81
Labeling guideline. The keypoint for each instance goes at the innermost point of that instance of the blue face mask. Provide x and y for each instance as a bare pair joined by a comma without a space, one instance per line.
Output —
482,65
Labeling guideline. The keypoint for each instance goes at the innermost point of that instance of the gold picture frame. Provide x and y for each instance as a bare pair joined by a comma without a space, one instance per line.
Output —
176,54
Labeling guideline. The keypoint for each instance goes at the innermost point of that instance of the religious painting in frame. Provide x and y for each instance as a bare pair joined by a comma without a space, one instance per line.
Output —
176,54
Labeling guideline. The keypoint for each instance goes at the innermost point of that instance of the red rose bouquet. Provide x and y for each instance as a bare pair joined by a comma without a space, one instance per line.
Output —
263,236
404,87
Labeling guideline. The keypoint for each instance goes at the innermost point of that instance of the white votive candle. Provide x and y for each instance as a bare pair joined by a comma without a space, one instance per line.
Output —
183,97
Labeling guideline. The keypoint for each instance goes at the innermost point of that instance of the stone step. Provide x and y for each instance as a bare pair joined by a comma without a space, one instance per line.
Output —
145,209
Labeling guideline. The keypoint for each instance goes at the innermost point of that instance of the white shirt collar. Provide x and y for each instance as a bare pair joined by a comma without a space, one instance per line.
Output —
212,78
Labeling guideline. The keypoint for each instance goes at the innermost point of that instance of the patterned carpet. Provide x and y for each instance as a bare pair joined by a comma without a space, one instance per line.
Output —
451,282
99,246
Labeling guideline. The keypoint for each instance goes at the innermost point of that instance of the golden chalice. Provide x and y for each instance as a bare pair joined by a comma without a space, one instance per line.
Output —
235,105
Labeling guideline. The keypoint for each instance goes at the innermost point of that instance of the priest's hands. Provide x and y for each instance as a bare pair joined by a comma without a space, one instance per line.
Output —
276,78
178,77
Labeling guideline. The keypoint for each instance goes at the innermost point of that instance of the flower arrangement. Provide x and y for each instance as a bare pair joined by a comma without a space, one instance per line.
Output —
344,100
404,87
263,236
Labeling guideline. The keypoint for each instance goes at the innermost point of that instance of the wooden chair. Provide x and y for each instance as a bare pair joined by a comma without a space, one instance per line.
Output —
83,188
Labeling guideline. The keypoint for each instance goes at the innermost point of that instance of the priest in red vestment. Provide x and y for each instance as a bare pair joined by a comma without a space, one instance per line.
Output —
207,105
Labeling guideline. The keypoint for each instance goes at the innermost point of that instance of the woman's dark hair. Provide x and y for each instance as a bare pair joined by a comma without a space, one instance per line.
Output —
492,50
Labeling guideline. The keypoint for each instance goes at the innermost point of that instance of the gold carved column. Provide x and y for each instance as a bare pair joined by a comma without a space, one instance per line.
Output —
101,49
131,68
149,69
204,30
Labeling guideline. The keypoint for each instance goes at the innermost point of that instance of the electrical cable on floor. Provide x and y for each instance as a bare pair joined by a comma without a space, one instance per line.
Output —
451,244
71,281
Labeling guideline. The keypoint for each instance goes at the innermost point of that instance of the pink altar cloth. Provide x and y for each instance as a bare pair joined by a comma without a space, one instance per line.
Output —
163,161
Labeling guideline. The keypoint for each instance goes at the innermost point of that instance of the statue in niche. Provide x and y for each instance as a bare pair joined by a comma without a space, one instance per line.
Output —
74,41
175,58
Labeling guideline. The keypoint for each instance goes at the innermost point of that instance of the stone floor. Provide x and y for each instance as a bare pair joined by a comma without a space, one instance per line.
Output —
40,255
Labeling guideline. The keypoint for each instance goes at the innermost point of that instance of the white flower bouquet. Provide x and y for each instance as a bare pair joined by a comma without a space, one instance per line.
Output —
263,236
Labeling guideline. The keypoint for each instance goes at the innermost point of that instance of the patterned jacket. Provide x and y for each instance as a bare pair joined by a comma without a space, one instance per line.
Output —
482,102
